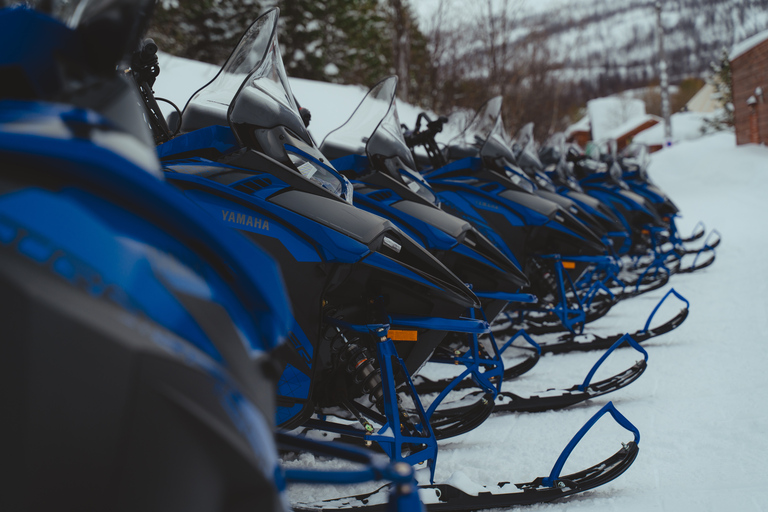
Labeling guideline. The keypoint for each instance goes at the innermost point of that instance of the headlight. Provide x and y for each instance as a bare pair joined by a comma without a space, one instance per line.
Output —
323,175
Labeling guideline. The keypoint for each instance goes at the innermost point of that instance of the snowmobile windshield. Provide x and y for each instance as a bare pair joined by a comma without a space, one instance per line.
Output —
524,149
374,129
636,158
484,137
553,149
497,146
260,107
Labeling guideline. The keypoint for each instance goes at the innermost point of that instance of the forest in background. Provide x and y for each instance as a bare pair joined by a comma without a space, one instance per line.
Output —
545,65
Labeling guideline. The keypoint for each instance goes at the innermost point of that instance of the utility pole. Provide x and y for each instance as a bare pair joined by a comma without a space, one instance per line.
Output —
664,78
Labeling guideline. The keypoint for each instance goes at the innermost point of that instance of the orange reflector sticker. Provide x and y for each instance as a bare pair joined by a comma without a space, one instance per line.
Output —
396,335
570,265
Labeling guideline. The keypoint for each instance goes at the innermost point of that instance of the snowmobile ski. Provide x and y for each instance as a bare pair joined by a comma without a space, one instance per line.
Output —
585,342
558,399
447,498
552,399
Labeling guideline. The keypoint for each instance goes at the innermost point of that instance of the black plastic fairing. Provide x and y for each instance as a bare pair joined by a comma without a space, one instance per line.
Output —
371,230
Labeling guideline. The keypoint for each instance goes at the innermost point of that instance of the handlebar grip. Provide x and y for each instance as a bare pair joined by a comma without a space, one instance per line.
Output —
148,49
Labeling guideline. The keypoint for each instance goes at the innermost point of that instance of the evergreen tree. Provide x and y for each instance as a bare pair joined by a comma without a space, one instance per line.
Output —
205,30
335,40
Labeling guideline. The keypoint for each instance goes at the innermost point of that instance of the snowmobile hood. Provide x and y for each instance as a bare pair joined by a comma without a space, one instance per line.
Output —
26,126
390,167
275,188
441,231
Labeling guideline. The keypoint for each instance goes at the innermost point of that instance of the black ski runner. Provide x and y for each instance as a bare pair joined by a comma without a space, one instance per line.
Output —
558,398
584,342
447,498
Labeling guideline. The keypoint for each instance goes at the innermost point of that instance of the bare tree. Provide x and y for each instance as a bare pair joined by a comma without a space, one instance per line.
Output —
401,46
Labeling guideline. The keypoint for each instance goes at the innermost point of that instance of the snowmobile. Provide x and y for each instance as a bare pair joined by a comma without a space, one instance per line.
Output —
359,285
594,214
370,150
351,275
612,232
621,236
634,161
498,200
138,368
496,196
659,236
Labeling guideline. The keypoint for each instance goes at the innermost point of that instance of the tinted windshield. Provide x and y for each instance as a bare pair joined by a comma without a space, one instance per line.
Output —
374,127
251,86
553,149
636,157
253,92
485,136
524,147
264,99
374,130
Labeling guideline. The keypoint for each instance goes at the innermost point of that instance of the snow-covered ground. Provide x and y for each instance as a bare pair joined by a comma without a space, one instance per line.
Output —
700,406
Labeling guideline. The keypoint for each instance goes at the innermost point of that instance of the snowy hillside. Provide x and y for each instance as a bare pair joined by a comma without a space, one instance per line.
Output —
616,39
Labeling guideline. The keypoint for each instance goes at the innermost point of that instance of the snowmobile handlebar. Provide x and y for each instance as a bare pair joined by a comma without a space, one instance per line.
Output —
419,137
144,63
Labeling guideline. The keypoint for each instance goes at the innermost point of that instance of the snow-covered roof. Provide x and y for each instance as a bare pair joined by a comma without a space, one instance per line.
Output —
582,125
607,114
749,43
631,124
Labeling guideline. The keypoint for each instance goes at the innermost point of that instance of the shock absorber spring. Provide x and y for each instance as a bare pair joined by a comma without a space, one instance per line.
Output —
543,279
359,367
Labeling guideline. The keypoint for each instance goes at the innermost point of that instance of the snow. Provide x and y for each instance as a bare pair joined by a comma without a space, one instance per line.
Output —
607,114
700,406
685,126
749,43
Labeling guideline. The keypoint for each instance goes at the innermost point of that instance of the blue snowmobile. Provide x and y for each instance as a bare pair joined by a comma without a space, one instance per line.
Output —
623,236
369,149
634,161
355,280
651,214
387,183
138,368
482,184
